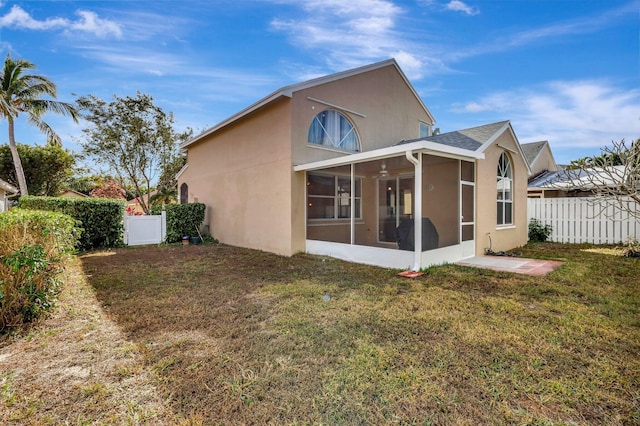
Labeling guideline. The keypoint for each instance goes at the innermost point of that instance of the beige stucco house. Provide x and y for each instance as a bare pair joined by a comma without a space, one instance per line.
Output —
341,165
550,180
6,189
70,193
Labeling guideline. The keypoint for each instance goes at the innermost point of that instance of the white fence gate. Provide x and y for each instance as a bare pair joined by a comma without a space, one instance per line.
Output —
584,220
140,230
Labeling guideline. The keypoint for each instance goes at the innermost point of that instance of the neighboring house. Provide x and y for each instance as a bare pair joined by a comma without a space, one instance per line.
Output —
70,193
539,157
133,206
545,173
6,189
577,182
341,165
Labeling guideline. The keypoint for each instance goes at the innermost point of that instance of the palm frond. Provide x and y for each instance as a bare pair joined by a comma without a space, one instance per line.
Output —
42,106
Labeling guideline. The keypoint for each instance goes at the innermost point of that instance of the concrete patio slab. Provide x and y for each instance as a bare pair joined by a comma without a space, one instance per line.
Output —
519,265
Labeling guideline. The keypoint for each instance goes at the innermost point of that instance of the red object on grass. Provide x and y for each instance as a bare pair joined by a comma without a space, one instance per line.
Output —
410,274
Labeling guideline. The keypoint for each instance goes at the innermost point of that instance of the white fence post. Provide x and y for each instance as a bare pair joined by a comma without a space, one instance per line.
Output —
163,225
584,220
125,237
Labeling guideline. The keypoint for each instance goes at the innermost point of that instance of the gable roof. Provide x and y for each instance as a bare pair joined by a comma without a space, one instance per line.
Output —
476,139
532,150
8,187
471,139
288,91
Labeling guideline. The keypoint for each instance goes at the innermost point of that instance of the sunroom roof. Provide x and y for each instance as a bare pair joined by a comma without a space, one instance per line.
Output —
423,146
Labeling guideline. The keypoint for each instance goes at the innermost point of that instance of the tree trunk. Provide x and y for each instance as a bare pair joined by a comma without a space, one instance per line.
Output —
22,182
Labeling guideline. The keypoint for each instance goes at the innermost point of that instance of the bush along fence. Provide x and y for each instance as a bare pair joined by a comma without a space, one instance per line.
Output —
35,247
101,219
183,220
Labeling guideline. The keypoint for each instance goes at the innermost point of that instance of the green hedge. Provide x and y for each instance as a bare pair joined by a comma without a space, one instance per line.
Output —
35,246
183,219
101,219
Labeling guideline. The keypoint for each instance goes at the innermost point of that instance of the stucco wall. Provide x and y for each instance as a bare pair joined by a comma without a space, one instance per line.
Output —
243,174
506,237
391,112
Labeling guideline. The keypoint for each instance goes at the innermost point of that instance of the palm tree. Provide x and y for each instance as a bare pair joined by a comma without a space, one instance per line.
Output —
21,93
164,195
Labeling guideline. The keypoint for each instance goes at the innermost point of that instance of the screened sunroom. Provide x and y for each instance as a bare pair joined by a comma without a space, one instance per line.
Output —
363,207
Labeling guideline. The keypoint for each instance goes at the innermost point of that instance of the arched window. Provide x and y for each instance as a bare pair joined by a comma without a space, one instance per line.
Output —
331,128
505,190
184,193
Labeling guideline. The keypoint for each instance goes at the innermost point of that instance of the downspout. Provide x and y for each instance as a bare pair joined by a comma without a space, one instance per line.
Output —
417,209
352,222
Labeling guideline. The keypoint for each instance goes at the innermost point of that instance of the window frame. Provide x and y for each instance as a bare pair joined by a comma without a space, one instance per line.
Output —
504,198
422,126
337,196
325,134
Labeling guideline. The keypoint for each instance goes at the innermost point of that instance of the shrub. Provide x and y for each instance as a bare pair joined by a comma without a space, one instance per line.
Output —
100,218
156,209
539,232
35,246
183,219
631,248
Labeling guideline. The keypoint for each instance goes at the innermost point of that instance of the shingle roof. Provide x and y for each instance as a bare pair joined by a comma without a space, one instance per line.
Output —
531,150
471,139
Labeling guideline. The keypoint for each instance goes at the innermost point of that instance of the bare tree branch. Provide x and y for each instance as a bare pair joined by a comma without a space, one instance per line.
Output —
613,177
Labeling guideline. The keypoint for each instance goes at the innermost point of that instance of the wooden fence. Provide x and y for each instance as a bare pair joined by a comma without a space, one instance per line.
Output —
585,220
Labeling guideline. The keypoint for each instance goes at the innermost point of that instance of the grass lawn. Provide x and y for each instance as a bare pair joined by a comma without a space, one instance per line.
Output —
221,335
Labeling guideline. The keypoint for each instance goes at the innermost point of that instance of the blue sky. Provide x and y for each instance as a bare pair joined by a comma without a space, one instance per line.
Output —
566,71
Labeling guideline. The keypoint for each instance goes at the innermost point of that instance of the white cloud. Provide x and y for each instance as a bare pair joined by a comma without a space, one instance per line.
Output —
348,32
555,31
569,114
91,23
459,6
88,22
18,18
409,63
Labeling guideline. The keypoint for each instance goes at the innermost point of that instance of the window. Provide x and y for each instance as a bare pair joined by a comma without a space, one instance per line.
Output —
424,130
184,193
331,128
329,196
505,191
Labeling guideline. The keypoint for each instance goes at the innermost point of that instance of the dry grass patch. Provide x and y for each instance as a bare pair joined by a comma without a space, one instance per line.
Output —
76,368
229,335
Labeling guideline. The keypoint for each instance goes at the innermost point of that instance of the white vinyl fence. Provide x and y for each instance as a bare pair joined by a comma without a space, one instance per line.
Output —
584,220
140,230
